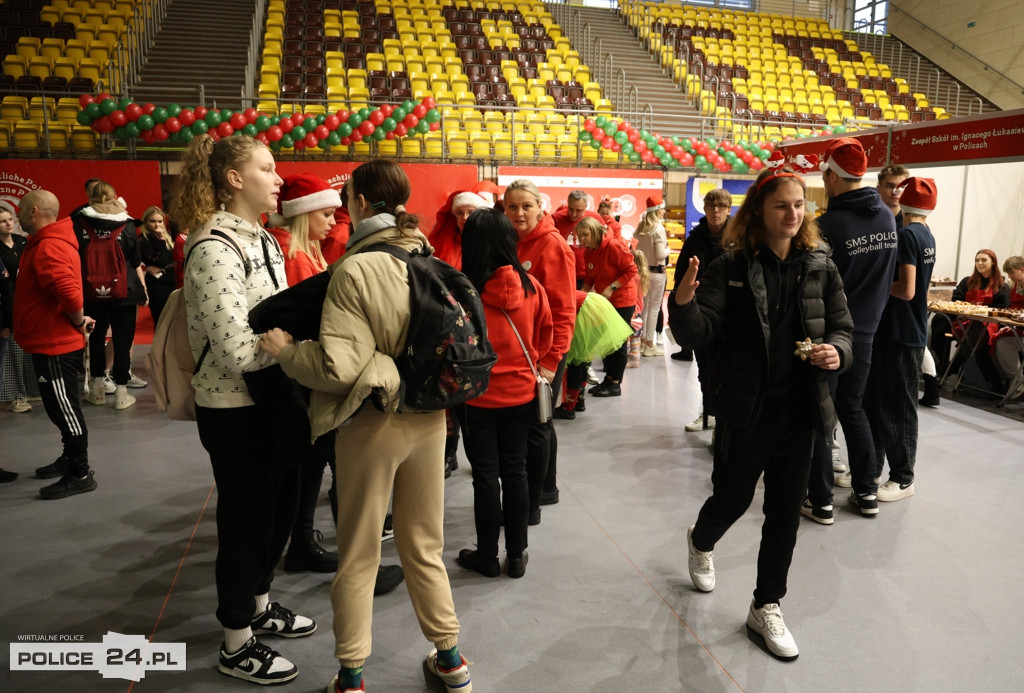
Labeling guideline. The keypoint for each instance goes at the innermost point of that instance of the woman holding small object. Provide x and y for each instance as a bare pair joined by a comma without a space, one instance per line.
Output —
775,288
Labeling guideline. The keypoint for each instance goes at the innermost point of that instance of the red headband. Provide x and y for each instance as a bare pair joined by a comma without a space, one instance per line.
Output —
778,173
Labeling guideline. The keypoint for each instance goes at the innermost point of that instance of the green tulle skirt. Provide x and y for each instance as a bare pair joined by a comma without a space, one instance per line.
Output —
599,330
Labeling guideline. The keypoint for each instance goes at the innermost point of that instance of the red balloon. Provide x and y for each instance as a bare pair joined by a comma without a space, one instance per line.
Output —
274,133
356,136
589,125
237,121
419,111
331,122
367,128
346,141
85,99
300,145
172,124
607,143
616,147
102,96
312,141
187,116
434,127
214,135
387,109
160,132
286,125
411,121
148,108
598,134
262,138
686,159
391,135
106,125
377,117
401,130
640,146
623,126
321,132
200,112
428,102
342,115
118,118
250,115
148,136
225,129
633,137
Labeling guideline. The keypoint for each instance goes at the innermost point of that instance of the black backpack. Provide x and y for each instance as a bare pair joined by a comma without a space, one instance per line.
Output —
447,358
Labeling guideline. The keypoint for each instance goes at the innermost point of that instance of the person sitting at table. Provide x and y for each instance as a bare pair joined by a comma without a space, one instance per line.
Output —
1006,353
984,287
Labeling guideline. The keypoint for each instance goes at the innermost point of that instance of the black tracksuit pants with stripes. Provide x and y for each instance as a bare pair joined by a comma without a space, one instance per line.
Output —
58,386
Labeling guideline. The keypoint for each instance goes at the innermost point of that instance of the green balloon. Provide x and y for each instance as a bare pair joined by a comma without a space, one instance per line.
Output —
334,139
274,120
644,135
121,134
108,106
309,124
173,110
249,130
364,113
423,127
633,156
595,144
433,116
298,132
601,122
145,122
627,148
399,114
199,127
275,146
225,114
355,120
83,117
262,123
658,150
621,137
159,115
379,134
133,130
408,105
389,125
712,143
344,130
764,154
686,145
213,119
610,128
287,141
186,134
585,136
93,111
699,160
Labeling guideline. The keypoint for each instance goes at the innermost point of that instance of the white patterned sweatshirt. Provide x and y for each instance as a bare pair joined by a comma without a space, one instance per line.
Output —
218,297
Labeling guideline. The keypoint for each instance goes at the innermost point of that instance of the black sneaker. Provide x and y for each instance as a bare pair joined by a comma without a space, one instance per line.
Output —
562,413
581,404
306,555
534,518
277,620
472,560
257,663
821,514
7,477
682,355
517,565
54,471
388,578
69,485
549,497
606,389
867,503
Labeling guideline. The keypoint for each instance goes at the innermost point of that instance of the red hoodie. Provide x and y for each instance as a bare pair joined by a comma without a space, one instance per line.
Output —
333,247
567,228
445,237
295,268
546,256
49,287
512,382
611,262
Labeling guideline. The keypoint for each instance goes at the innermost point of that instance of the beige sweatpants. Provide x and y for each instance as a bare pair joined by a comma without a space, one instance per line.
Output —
378,452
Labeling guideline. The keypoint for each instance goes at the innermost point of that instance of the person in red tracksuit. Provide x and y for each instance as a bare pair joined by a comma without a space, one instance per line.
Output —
610,271
51,325
565,219
497,423
547,257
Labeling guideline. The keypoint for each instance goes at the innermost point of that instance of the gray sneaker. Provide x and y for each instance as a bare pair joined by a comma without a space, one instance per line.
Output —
135,381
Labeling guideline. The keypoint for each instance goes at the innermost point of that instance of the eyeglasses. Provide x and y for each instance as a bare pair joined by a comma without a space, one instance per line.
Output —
717,206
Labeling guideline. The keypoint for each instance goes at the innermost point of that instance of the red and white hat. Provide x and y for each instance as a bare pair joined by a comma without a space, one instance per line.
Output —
470,198
654,203
304,193
846,157
918,196
776,160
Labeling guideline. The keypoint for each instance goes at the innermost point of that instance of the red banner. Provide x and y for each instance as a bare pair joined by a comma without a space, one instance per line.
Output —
138,182
628,189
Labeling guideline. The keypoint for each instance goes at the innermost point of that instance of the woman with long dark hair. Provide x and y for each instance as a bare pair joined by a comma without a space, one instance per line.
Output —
497,423
774,290
157,250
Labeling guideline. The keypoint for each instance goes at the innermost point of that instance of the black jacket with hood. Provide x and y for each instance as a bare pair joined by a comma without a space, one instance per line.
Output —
109,216
731,310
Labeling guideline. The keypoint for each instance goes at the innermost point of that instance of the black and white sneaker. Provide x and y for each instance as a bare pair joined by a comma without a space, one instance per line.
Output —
867,503
389,528
822,514
257,663
277,620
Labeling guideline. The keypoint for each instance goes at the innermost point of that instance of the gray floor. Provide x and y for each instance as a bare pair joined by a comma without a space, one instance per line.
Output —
922,598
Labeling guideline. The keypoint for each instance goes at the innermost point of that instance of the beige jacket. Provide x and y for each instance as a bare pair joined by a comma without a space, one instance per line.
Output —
364,325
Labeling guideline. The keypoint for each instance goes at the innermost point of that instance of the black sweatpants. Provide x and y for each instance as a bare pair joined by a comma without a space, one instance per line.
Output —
257,497
121,320
58,386
779,445
542,448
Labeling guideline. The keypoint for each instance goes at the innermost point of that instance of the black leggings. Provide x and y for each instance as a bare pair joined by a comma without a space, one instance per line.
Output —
615,362
121,320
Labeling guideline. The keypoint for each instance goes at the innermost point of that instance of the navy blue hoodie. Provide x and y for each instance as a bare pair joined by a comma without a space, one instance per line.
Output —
862,233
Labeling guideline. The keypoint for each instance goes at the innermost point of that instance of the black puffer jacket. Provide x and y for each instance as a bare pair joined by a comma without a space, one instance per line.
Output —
730,310
702,244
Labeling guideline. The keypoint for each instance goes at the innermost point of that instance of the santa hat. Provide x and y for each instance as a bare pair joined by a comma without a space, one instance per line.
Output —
470,198
805,163
846,157
305,193
776,160
918,196
654,203
487,190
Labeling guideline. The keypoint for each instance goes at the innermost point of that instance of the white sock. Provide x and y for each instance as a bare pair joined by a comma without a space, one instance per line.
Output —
262,602
234,640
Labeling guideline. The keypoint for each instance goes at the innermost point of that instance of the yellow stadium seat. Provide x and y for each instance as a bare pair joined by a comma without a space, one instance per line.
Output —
525,149
36,105
502,146
28,47
411,146
433,145
547,148
25,138
40,66
67,109
387,148
480,146
458,146
14,108
56,137
15,65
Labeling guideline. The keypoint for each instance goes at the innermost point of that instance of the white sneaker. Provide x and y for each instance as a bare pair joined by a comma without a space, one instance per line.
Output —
20,405
97,392
837,463
122,400
652,351
592,376
767,622
698,423
135,381
845,480
109,384
701,565
894,491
